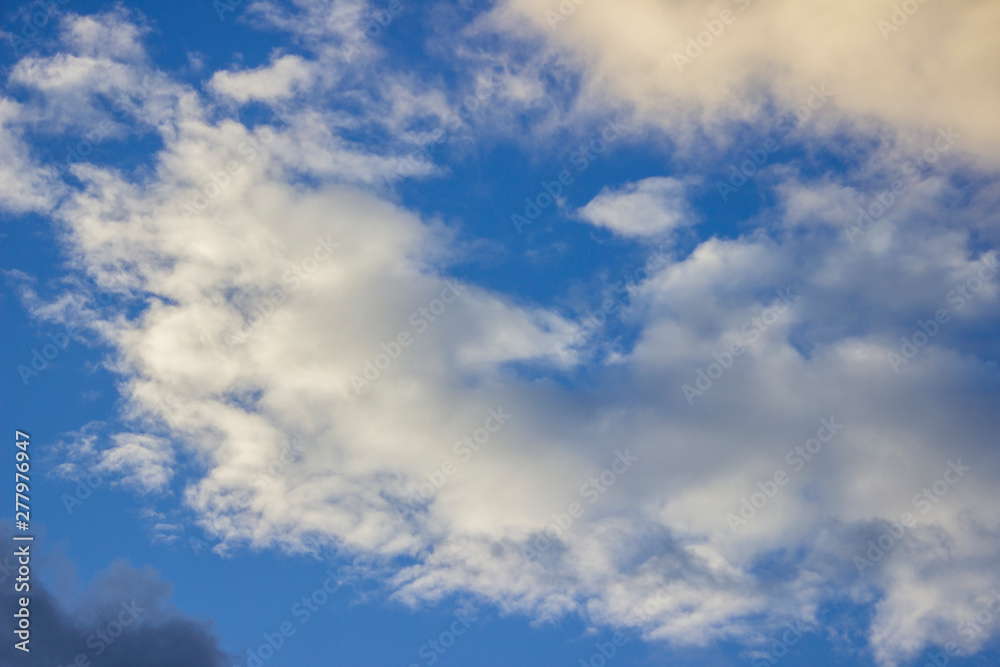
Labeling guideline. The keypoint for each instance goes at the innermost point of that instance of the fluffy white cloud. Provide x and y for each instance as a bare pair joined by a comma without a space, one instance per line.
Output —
266,309
115,35
338,333
285,76
685,66
647,208
140,461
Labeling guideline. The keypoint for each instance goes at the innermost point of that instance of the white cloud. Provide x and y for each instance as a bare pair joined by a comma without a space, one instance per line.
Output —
292,375
143,462
111,35
649,207
321,280
25,185
284,77
634,52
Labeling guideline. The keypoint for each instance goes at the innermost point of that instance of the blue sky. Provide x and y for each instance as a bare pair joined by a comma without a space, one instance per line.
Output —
632,333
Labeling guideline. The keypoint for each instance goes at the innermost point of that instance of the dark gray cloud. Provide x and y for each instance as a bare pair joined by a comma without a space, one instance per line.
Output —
124,619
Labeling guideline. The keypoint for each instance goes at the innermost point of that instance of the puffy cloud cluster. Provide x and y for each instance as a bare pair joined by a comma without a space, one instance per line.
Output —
595,498
695,68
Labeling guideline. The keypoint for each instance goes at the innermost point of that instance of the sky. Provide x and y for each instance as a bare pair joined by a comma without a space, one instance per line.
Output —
520,332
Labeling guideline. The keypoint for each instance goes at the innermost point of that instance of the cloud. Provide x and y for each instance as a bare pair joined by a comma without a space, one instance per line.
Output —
115,35
687,66
647,208
278,300
282,78
25,185
140,461
320,23
344,319
124,618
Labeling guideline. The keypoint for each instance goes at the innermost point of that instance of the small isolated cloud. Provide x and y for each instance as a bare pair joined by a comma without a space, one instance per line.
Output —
648,207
